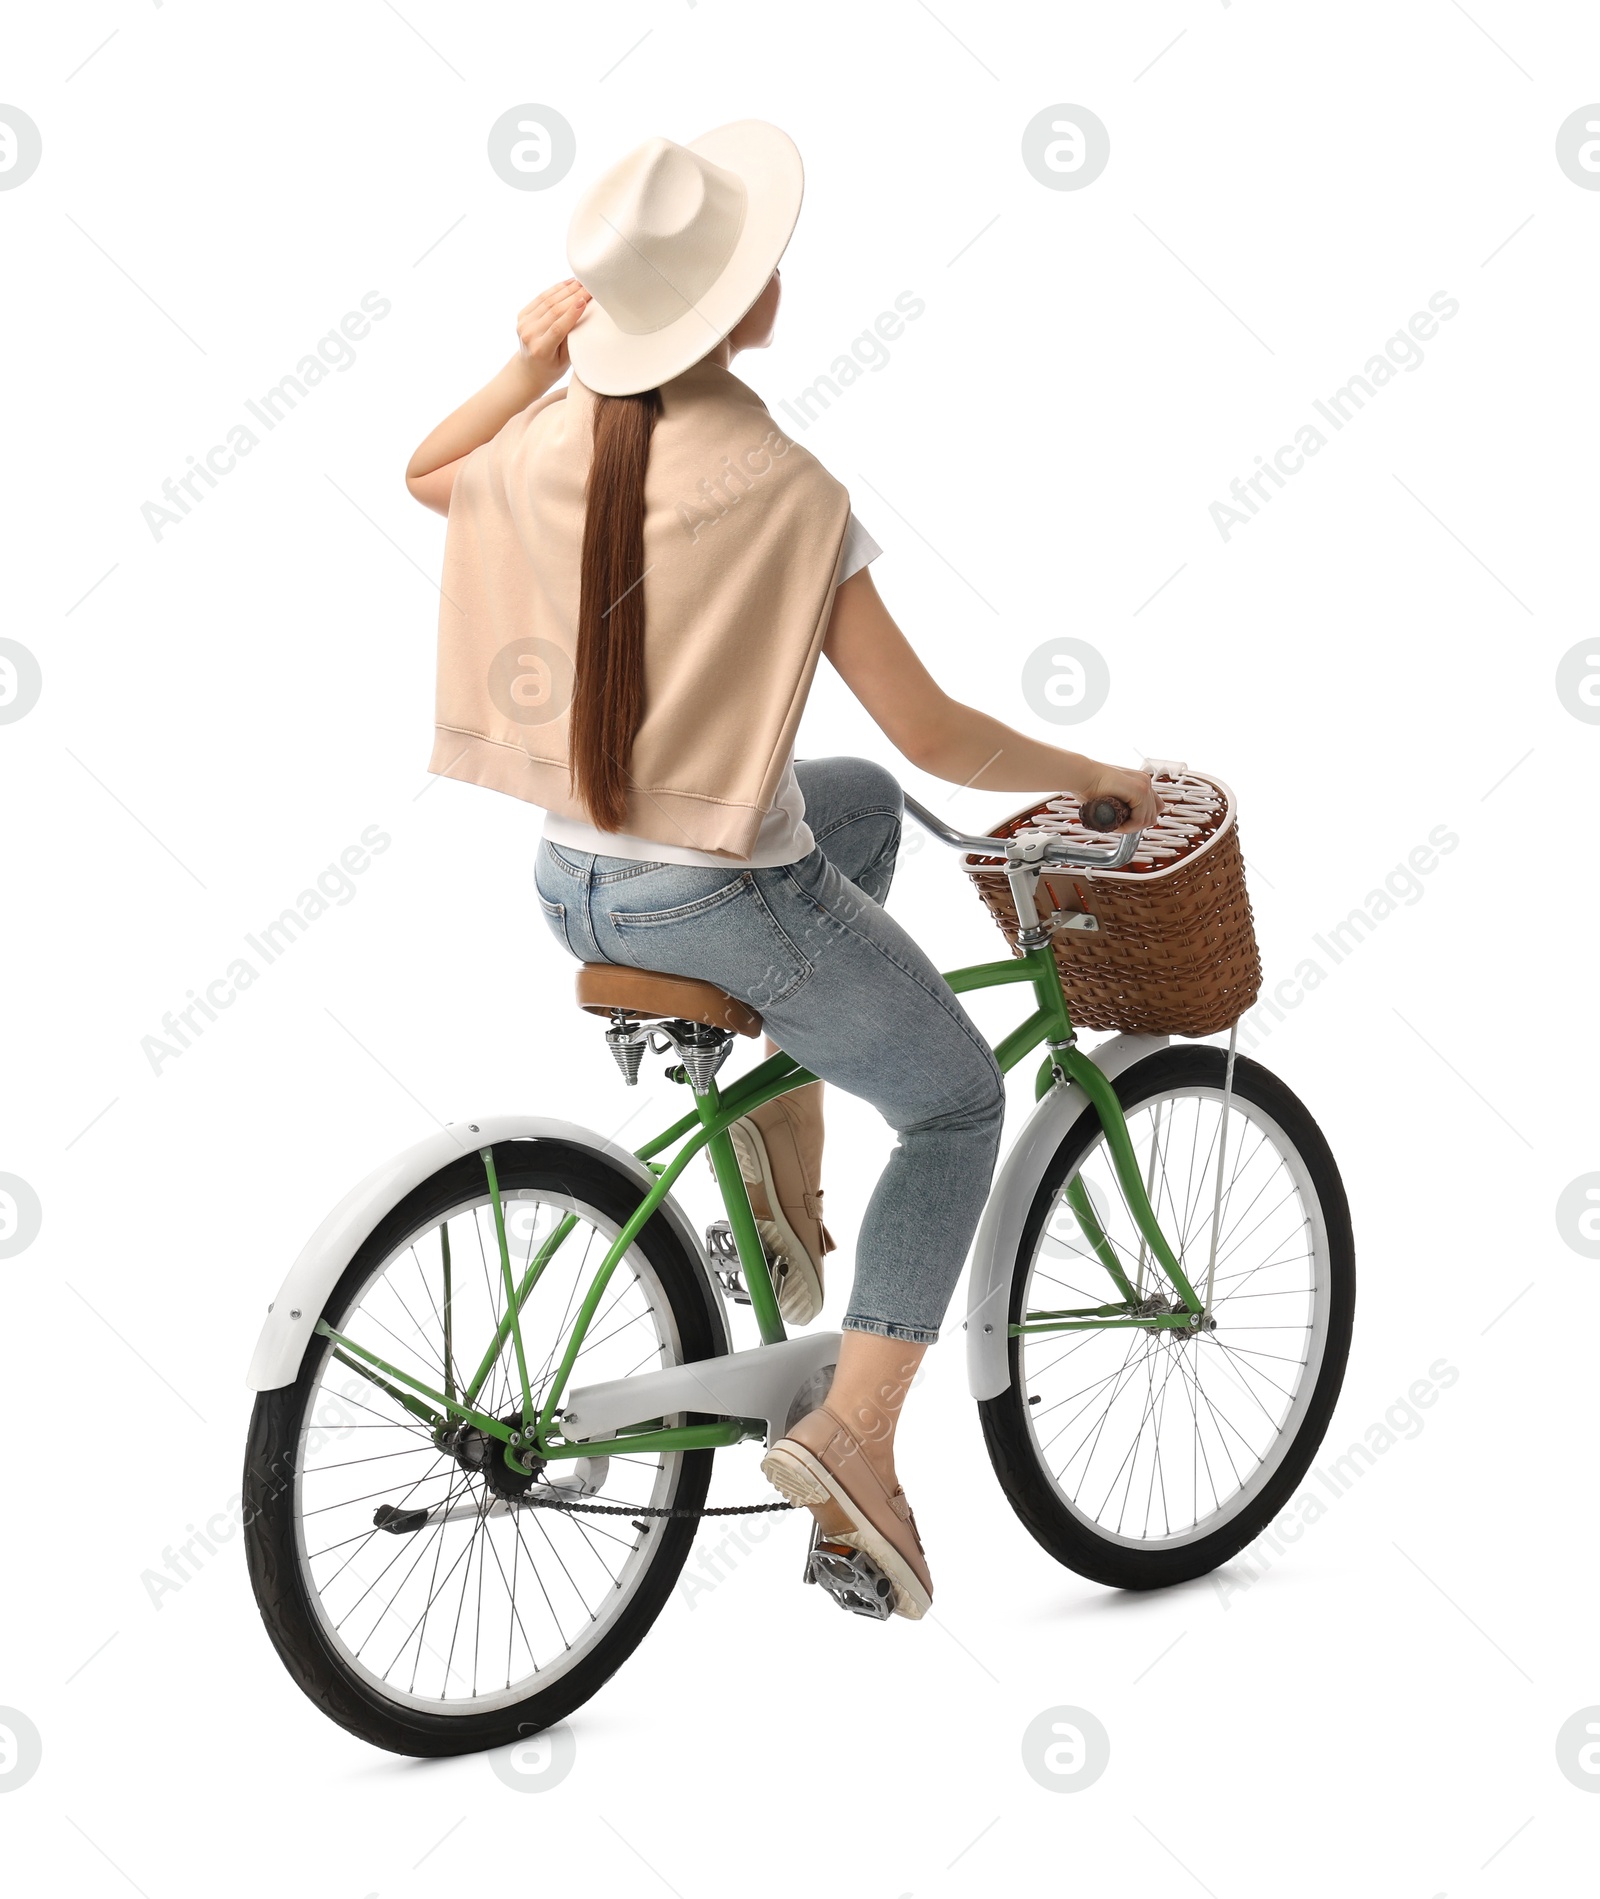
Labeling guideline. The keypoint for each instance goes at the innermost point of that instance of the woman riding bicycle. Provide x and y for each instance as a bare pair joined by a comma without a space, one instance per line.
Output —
641,571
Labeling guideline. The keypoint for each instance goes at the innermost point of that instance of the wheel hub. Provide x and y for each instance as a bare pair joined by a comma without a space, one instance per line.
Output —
479,1453
1159,1305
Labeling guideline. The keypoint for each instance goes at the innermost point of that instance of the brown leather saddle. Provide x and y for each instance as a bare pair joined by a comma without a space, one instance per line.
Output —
607,988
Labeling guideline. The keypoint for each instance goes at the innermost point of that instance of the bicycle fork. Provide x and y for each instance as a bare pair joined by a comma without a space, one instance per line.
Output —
1067,1062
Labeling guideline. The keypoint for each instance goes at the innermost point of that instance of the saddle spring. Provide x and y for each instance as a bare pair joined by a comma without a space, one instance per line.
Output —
700,1048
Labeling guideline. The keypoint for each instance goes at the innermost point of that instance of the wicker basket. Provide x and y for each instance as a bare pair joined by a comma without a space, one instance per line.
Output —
1174,948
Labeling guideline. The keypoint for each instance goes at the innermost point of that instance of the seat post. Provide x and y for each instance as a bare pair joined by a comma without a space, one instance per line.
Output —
701,1049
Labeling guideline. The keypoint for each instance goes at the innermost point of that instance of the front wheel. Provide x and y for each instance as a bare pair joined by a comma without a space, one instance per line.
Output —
422,1593
1142,1456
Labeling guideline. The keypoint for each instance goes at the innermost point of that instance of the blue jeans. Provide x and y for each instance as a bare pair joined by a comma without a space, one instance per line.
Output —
842,989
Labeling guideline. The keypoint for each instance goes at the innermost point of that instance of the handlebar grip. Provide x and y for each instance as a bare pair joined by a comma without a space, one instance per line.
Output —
1105,814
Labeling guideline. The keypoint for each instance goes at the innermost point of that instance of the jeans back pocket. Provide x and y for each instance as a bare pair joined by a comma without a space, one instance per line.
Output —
723,932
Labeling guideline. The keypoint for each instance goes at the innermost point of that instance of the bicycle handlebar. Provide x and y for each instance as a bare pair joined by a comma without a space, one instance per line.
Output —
1039,848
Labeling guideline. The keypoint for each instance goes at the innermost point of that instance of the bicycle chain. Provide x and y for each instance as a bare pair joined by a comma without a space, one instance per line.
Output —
653,1510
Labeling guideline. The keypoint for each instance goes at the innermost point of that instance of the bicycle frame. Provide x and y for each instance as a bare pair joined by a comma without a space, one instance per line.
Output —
706,1126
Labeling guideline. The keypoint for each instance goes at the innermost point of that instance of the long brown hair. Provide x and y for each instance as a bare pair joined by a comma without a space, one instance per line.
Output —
608,693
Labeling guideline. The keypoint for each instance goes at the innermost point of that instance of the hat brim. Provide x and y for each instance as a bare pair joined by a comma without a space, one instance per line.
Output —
612,362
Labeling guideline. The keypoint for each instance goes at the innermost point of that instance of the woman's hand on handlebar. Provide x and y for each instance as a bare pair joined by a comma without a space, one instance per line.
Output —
1132,787
544,325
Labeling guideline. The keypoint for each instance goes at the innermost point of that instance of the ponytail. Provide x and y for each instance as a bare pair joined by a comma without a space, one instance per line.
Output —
608,694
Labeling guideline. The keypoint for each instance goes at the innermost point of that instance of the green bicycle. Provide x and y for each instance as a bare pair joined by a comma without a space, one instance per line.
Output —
491,1387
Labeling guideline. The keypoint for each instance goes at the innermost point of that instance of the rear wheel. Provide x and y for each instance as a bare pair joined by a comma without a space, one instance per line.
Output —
1143,1456
422,1593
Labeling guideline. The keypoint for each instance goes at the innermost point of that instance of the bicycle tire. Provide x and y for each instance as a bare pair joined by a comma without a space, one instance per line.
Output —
1008,1430
271,1473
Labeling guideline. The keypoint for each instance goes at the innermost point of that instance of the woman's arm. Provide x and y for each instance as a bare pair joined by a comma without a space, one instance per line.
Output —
540,362
941,736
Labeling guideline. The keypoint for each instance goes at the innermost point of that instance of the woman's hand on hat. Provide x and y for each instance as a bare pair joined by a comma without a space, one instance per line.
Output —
544,325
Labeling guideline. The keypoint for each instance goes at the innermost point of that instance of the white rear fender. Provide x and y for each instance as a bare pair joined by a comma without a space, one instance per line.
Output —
331,1248
994,1251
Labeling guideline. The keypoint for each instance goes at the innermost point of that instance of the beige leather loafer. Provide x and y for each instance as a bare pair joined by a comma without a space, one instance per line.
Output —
820,1464
779,1146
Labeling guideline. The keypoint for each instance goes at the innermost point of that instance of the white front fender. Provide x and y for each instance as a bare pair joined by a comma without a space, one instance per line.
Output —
331,1248
994,1251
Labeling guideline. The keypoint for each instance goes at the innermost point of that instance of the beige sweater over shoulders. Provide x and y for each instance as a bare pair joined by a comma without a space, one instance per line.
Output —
743,535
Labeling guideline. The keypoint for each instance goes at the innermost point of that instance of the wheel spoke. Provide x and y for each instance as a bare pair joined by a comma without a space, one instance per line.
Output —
480,1600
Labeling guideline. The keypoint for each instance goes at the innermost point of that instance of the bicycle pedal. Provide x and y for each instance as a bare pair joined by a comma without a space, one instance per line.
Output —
723,1252
852,1578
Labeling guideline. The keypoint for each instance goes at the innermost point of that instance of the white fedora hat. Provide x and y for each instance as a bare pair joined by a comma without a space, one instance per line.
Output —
674,244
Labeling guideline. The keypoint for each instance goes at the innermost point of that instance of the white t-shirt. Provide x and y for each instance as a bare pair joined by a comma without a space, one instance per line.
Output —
784,837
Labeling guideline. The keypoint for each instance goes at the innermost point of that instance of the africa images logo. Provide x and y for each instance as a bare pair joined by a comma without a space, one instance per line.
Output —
1402,351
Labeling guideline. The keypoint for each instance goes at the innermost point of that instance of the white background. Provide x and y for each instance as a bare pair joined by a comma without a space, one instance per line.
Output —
225,709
